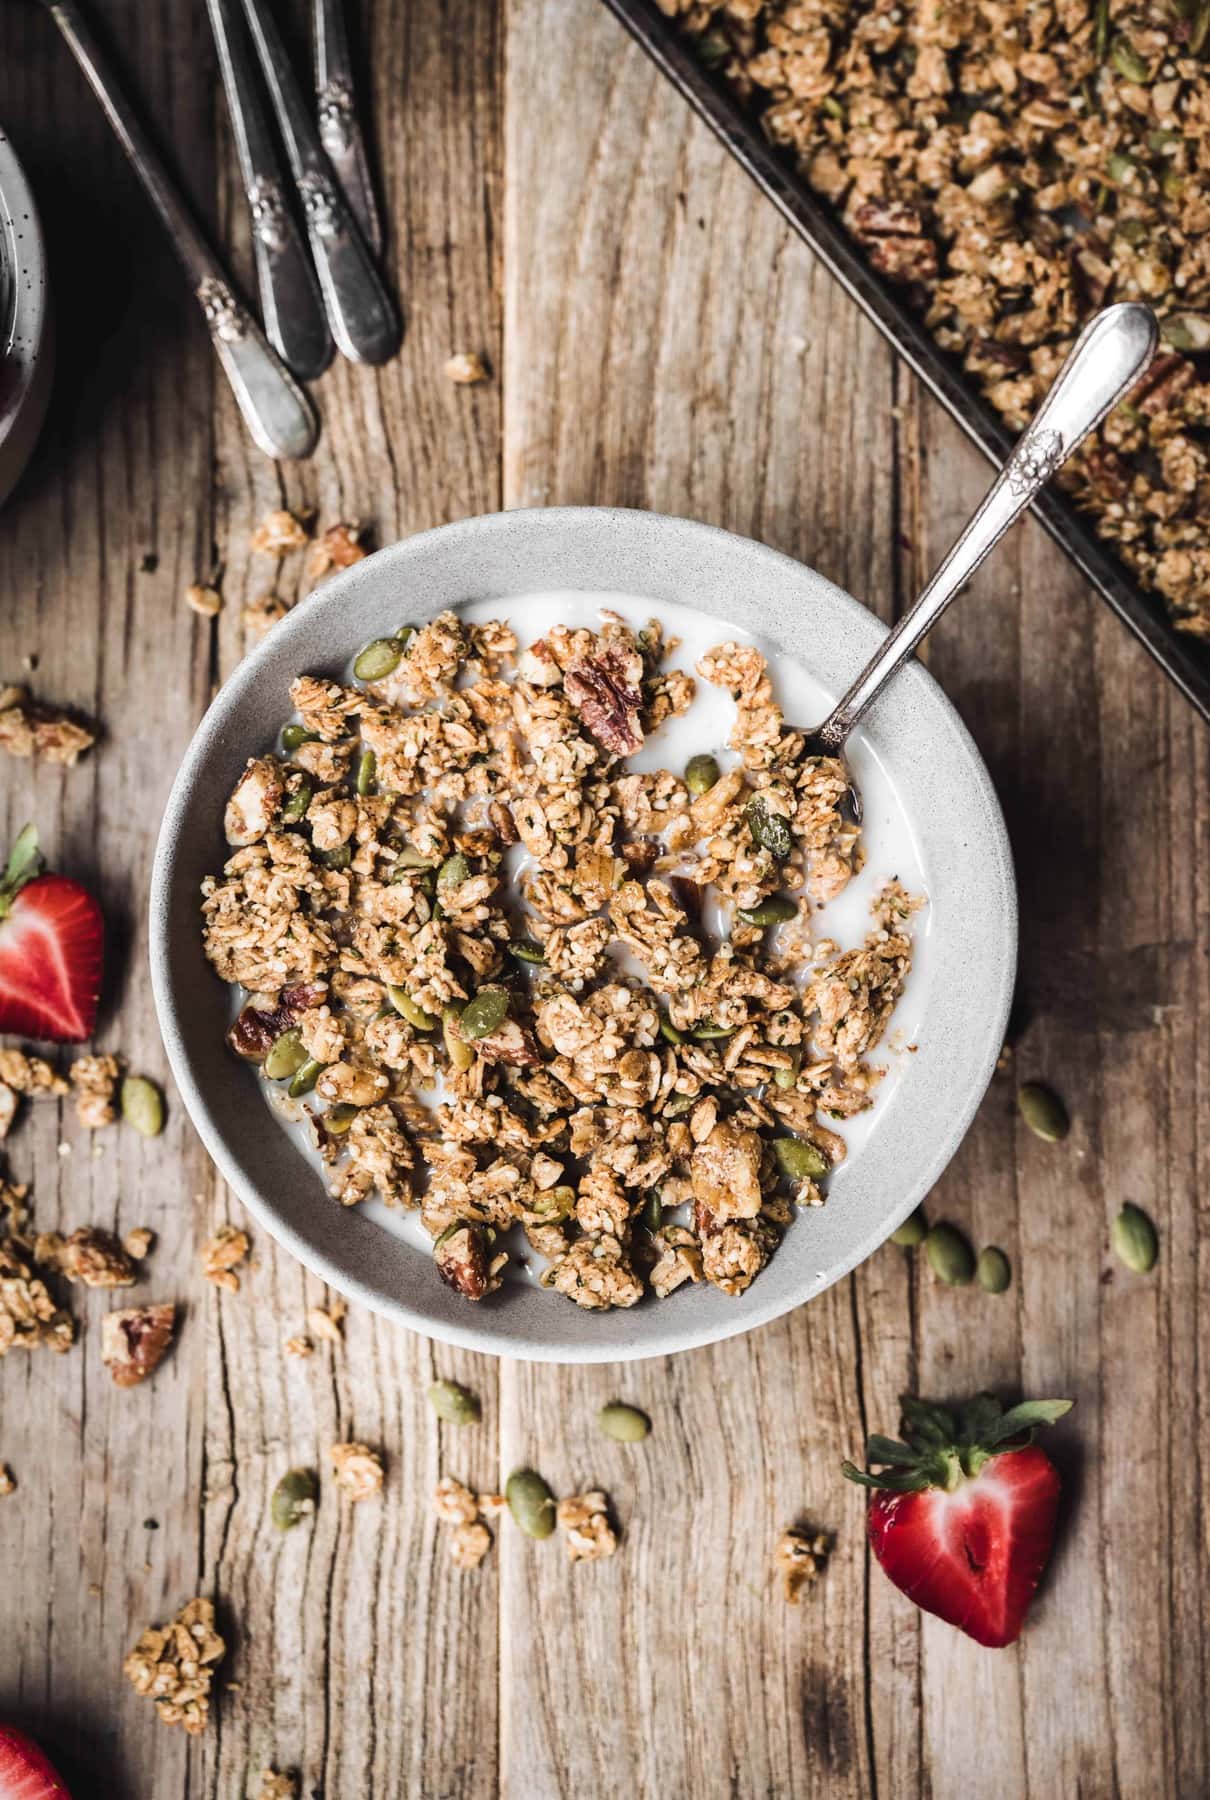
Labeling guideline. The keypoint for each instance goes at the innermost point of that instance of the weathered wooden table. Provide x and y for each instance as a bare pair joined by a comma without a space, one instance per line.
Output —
658,339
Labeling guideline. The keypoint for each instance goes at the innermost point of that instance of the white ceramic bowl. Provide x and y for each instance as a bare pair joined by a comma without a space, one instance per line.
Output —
25,336
913,746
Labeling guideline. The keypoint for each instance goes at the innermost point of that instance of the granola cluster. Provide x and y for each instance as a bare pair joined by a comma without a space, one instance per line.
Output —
174,1665
28,727
1014,167
513,982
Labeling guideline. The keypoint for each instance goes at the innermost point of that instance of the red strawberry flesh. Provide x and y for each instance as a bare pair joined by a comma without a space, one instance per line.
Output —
51,952
25,1773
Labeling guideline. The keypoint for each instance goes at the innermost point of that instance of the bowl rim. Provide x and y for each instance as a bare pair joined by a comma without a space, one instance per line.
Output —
486,1329
29,344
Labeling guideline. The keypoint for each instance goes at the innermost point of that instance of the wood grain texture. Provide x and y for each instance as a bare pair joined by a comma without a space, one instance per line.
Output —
659,340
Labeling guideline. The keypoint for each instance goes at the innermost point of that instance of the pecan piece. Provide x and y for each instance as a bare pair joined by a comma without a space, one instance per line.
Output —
339,548
894,236
461,1255
254,801
134,1340
257,1029
604,690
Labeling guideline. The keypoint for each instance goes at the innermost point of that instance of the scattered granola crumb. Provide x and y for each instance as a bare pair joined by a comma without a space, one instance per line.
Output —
469,1544
12,1199
339,547
31,1075
261,614
138,1242
799,1557
174,1665
28,1314
205,600
8,1109
91,1255
272,1785
454,1503
358,1469
466,368
325,1325
584,1518
8,1483
277,533
95,1079
299,1346
221,1254
135,1339
30,728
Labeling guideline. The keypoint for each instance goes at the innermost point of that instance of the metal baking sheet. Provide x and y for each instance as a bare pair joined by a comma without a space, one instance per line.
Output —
1180,656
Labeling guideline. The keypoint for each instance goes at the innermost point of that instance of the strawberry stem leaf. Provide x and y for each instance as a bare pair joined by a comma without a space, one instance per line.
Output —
941,1447
24,862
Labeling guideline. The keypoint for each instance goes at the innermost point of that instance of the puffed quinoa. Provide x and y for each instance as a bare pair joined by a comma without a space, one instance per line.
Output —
584,1521
174,1665
221,1254
798,1557
376,921
358,1470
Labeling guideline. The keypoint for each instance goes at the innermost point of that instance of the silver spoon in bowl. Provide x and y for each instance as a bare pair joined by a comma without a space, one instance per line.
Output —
1105,362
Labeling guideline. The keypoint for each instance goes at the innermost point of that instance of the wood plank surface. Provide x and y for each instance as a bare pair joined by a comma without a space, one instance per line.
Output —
658,338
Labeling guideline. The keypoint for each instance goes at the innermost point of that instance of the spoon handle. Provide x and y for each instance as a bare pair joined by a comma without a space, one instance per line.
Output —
340,130
276,411
1106,360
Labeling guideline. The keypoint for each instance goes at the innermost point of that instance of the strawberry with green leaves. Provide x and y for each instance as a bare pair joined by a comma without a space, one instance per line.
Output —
962,1516
51,950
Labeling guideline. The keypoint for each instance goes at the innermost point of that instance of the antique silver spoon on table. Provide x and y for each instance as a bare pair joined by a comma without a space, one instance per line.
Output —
1108,357
276,411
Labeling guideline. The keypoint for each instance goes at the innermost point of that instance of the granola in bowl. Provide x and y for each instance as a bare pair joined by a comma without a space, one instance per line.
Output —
574,1002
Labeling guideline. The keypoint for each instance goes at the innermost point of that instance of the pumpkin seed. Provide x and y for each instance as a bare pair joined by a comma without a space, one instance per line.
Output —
553,1204
670,1033
338,1118
993,1271
1121,168
1186,331
461,1055
295,809
678,1105
652,1214
775,910
712,48
407,1008
294,1498
1043,1112
340,858
1135,1240
305,1080
526,952
454,1403
832,105
950,1256
786,1078
367,768
708,1029
912,1231
624,1424
453,872
1102,30
800,1159
484,1014
294,735
701,773
530,1502
1127,61
287,1055
769,829
143,1105
378,660
411,858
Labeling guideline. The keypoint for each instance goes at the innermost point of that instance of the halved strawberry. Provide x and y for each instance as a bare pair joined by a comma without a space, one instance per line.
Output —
964,1516
25,1774
51,950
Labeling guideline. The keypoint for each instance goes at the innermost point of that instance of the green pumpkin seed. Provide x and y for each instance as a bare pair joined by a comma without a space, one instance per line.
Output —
669,1032
294,1498
305,1080
1186,331
712,48
367,769
833,106
405,634
526,952
707,1030
378,660
993,1270
340,858
1043,1112
769,829
484,1014
1102,30
295,809
454,1403
1121,168
786,1078
1127,61
411,858
338,1118
701,773
624,1424
950,1256
912,1231
776,910
799,1159
143,1105
294,735
461,1055
407,1008
453,872
287,1055
530,1502
652,1215
678,1106
1135,1240
553,1204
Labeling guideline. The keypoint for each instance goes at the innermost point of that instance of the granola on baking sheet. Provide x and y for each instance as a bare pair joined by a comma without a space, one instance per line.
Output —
1013,167
563,1007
